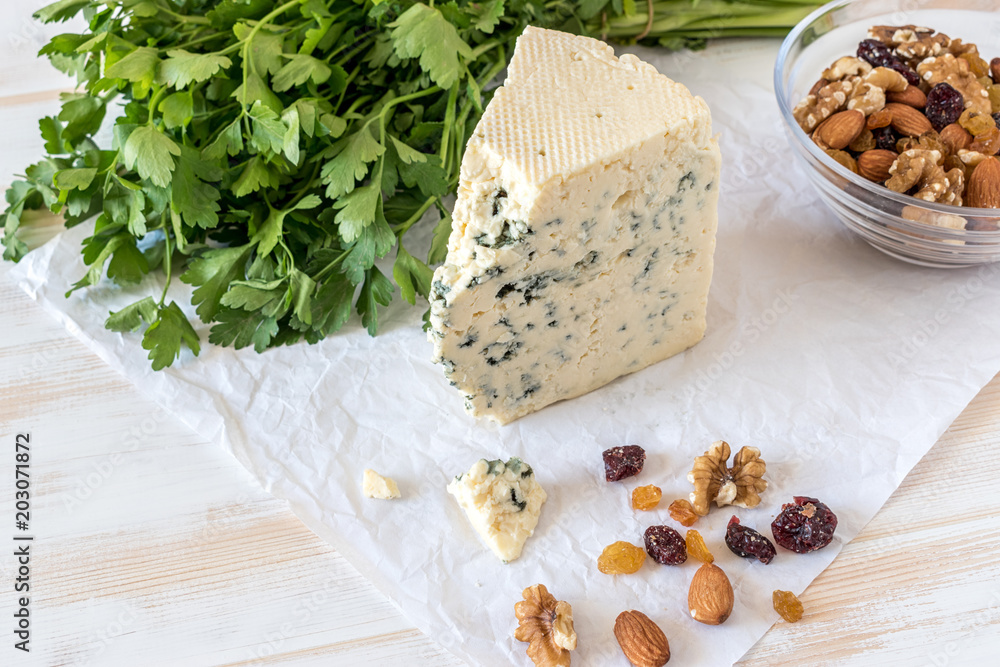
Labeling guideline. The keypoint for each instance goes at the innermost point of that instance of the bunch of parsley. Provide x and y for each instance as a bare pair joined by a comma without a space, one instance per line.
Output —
267,152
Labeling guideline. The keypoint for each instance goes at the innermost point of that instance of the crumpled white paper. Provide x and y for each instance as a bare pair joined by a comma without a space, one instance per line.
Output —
843,366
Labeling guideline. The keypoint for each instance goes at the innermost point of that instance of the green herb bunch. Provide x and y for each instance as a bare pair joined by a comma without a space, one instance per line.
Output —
268,153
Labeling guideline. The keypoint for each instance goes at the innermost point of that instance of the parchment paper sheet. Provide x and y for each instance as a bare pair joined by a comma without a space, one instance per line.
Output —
843,366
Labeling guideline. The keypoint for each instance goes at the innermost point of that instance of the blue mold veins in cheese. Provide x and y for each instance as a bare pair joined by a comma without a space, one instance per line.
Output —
583,232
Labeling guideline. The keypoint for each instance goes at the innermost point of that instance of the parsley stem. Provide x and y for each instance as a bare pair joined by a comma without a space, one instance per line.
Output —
155,100
245,44
183,18
329,267
167,253
269,17
403,228
449,119
195,42
483,48
301,192
405,98
361,46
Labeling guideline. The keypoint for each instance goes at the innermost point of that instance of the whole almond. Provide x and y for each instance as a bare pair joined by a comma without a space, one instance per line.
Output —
995,70
955,137
710,598
816,86
908,121
642,641
874,164
841,128
983,190
911,96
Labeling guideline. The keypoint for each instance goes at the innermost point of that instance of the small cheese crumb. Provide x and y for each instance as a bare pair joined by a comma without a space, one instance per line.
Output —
377,486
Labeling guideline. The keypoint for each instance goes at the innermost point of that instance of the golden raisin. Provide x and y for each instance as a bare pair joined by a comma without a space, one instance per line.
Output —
683,512
787,605
621,558
646,497
975,122
880,118
994,92
987,143
844,158
977,65
696,547
863,142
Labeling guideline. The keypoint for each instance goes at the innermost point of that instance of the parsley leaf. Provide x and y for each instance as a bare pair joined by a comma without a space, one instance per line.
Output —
182,68
357,211
350,162
149,152
240,329
439,243
299,69
177,110
412,276
377,290
130,318
196,201
256,174
487,15
138,67
424,33
164,337
211,274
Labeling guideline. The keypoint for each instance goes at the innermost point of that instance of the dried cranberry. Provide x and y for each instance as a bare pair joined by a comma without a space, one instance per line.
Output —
875,52
878,54
885,138
622,462
944,106
748,543
665,545
980,225
805,525
911,77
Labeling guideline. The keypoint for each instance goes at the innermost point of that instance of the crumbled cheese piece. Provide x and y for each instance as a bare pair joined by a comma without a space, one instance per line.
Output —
375,485
502,501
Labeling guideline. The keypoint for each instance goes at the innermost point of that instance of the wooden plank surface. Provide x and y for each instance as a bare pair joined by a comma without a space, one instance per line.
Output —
156,548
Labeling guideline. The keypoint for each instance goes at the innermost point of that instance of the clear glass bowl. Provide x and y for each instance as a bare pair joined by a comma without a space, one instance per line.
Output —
894,223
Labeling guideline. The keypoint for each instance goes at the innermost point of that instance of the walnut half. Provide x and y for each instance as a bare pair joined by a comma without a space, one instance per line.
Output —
546,624
739,485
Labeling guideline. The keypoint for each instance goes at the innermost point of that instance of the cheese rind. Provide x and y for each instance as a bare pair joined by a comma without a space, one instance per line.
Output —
583,232
502,501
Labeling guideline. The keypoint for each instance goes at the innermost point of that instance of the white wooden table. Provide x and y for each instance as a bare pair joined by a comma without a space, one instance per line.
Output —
153,547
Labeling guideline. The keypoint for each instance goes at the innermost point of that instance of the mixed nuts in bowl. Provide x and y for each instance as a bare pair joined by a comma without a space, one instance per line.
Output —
894,124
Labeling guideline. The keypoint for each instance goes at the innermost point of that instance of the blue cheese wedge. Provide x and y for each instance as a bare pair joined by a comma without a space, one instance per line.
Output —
583,232
502,501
